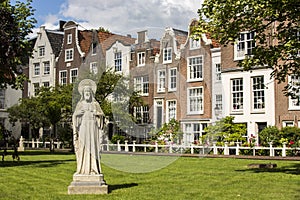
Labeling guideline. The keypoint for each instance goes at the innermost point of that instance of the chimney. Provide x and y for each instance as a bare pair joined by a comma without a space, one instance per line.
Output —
142,37
61,25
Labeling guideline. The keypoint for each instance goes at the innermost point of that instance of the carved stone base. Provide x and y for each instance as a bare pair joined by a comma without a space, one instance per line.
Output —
88,184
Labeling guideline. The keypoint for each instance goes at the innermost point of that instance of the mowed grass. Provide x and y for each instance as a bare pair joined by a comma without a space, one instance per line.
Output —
41,175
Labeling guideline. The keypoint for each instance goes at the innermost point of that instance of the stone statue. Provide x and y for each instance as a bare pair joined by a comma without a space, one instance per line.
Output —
88,129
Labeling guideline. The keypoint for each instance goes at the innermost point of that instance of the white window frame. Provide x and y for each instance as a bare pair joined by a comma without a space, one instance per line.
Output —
294,81
258,93
64,80
46,84
141,85
93,67
72,77
195,68
36,87
141,113
195,44
141,58
198,99
42,51
218,72
171,110
244,45
161,80
69,54
172,83
36,69
118,61
237,94
46,67
219,102
69,38
167,55
288,123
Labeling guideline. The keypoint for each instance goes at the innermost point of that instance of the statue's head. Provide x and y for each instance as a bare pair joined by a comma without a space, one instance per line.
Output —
87,93
87,89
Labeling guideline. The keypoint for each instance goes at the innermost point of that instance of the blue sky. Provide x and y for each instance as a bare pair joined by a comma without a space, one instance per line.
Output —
119,16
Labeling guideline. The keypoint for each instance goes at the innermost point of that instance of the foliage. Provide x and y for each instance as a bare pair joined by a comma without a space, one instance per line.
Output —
226,130
15,25
169,132
277,48
117,137
269,134
292,136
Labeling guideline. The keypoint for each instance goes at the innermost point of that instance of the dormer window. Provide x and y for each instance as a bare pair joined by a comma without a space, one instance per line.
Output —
244,45
141,58
167,55
69,39
194,44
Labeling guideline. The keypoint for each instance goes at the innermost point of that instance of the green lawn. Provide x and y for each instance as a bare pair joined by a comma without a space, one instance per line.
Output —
40,175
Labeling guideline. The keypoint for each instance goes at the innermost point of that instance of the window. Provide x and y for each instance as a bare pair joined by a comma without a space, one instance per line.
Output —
194,44
219,102
237,94
63,77
74,74
172,79
161,80
69,39
195,100
46,68
258,92
141,58
36,69
46,84
118,61
41,51
171,110
141,114
68,55
2,98
218,72
94,67
36,87
195,68
194,132
141,85
294,98
287,123
245,45
94,48
167,55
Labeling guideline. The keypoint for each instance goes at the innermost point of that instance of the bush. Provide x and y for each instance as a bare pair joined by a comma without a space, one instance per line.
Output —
115,139
269,134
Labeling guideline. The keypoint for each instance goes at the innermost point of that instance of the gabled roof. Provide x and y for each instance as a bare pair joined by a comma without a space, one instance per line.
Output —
55,39
85,40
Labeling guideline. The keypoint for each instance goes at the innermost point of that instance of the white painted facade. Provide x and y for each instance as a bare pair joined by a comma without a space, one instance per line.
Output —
46,74
118,47
248,115
9,97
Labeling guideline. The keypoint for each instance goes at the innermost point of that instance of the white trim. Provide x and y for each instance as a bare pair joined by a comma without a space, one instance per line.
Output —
60,82
189,79
200,111
167,109
158,88
169,51
71,70
169,80
69,59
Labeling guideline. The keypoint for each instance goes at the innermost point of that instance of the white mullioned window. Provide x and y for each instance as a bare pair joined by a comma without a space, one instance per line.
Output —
245,45
171,110
118,61
141,114
46,68
141,58
69,39
41,51
194,44
218,71
195,68
36,68
94,67
195,100
69,55
73,75
167,55
63,77
172,79
141,85
294,98
258,92
237,94
161,80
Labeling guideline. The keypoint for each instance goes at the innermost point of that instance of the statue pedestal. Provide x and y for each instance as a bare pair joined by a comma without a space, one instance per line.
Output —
88,184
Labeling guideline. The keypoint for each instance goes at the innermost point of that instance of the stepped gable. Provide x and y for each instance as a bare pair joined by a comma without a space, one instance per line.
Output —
56,40
85,40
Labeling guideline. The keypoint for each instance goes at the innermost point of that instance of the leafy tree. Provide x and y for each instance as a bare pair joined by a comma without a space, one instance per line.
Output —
226,130
169,132
15,25
292,135
278,48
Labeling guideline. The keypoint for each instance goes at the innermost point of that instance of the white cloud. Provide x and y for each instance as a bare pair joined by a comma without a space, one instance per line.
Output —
128,16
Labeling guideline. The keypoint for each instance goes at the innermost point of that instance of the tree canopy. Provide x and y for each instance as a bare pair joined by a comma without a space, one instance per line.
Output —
276,27
15,25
